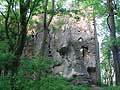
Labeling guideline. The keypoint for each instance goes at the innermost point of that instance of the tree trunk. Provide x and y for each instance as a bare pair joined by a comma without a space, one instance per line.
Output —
24,6
10,49
114,48
45,30
45,42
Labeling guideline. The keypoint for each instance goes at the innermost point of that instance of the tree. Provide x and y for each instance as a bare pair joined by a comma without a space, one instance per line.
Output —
46,23
114,48
106,63
17,14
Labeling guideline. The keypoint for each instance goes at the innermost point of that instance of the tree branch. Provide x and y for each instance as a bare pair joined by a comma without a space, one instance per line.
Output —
2,14
13,10
53,12
45,14
36,2
6,20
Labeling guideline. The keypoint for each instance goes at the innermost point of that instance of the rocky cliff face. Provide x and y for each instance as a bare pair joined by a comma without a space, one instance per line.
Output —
73,46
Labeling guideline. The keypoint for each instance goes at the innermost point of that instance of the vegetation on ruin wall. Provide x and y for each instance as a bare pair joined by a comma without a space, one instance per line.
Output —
18,73
33,74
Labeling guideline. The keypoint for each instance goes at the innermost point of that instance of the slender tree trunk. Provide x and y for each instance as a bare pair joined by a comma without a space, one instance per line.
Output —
24,19
110,68
23,31
24,6
45,30
10,49
45,42
114,48
6,21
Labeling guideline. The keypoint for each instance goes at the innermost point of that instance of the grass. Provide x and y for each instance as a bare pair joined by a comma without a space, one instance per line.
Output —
111,88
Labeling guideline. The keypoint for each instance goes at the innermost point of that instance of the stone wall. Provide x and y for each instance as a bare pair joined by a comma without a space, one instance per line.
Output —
73,46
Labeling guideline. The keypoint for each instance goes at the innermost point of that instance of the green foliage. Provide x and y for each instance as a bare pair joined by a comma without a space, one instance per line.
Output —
105,49
106,63
53,83
6,57
5,83
36,66
3,46
6,64
47,83
118,41
29,73
58,83
32,75
6,60
111,88
97,5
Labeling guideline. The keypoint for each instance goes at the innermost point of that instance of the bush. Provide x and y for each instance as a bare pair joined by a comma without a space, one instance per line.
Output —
5,58
34,74
52,83
3,46
5,83
111,88
36,66
6,62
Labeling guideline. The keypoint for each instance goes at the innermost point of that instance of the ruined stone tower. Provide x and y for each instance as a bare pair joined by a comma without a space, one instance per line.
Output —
73,44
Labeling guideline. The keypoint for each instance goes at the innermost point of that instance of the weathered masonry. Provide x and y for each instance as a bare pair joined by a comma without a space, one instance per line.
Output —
73,44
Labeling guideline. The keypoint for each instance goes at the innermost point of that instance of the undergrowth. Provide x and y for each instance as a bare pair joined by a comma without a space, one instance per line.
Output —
33,74
111,88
